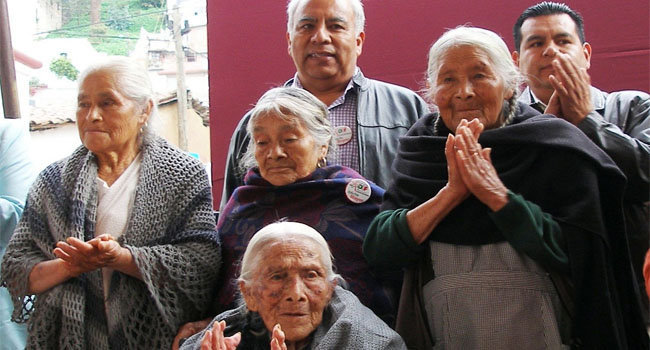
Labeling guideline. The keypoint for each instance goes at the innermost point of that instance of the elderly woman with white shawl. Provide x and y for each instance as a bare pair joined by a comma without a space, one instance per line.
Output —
291,300
117,242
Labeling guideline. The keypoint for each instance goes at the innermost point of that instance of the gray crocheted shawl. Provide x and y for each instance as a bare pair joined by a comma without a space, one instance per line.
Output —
170,234
347,324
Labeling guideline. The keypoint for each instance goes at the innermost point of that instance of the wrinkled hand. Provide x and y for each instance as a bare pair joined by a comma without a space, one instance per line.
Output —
476,170
213,339
189,329
277,338
572,97
80,257
455,183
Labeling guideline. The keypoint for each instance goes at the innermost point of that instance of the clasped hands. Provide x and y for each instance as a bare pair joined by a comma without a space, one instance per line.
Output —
80,257
571,99
470,168
214,339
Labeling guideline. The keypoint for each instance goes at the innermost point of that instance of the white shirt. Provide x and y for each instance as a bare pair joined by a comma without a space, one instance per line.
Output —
114,204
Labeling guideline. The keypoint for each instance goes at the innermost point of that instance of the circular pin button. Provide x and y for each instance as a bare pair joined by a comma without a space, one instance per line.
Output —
358,191
342,134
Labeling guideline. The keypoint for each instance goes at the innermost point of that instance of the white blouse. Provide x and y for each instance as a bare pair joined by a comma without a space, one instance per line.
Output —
114,204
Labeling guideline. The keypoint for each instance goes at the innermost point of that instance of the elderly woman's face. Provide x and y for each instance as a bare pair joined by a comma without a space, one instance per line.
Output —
468,87
289,287
107,120
285,151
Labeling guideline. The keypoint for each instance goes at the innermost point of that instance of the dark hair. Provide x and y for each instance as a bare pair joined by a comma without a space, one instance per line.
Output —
544,9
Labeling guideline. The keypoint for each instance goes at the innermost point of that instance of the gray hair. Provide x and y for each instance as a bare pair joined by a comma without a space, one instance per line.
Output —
284,232
132,81
357,8
488,42
289,103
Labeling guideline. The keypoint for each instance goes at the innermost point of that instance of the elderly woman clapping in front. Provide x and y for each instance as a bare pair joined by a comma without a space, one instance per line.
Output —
292,301
509,221
117,241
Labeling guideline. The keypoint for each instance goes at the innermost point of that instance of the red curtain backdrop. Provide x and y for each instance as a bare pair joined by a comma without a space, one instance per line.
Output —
248,50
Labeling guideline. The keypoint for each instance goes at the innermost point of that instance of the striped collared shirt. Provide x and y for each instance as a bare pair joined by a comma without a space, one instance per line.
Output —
343,112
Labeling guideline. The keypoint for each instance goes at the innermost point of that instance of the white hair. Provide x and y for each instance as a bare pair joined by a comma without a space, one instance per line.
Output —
284,232
291,103
132,81
357,8
488,42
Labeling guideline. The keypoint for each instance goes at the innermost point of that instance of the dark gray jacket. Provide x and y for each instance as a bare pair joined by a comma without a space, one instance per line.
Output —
384,113
620,126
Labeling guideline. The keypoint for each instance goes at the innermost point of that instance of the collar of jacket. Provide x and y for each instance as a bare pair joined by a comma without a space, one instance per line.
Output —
598,98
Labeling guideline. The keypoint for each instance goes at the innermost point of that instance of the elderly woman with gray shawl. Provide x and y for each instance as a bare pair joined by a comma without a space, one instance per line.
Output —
291,300
509,222
117,241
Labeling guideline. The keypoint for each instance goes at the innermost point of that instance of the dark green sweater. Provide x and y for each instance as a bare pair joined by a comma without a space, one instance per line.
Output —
389,242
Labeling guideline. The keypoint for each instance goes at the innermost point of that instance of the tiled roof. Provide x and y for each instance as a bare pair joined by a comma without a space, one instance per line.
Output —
202,110
51,116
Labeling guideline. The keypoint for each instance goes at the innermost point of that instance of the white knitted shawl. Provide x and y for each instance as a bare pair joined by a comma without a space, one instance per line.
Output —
170,233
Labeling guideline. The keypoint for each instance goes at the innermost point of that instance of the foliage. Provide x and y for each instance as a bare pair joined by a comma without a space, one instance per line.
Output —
152,3
114,47
63,68
75,12
119,18
121,22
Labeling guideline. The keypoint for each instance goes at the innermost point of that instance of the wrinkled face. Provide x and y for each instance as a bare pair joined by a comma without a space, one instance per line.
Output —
323,43
542,39
107,120
467,87
289,287
284,149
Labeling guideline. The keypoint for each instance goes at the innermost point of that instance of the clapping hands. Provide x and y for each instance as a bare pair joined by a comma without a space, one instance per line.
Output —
80,257
470,167
214,338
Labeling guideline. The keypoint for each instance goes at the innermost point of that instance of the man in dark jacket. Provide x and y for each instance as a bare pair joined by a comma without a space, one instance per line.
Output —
325,38
552,54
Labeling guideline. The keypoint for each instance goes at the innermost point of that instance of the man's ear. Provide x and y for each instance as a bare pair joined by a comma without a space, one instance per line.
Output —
251,302
360,39
586,50
515,58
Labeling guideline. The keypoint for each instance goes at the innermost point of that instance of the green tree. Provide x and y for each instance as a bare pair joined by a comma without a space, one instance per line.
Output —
63,68
119,18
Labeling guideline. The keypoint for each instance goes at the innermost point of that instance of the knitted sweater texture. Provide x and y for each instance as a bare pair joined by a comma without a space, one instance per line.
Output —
170,233
346,324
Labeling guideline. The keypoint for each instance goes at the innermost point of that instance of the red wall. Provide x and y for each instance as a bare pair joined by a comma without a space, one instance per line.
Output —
248,50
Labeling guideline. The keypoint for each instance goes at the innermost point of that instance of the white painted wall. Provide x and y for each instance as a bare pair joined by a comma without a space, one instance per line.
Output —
48,146
22,19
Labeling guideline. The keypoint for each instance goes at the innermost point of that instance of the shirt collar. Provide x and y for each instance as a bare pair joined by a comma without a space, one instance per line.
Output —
295,82
534,101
